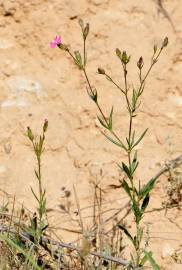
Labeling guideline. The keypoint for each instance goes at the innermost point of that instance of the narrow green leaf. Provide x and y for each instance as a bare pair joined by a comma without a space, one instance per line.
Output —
135,167
126,170
147,188
141,137
120,144
78,59
44,192
45,227
36,173
126,232
34,194
144,259
92,93
136,211
110,119
153,263
120,167
145,203
102,123
126,188
128,142
135,241
135,163
44,206
135,157
136,191
140,235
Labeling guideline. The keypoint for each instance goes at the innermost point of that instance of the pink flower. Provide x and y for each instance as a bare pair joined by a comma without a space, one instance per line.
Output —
55,42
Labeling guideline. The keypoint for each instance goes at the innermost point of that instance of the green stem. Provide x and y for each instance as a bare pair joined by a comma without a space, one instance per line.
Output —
115,83
39,178
130,125
40,187
84,51
99,108
152,64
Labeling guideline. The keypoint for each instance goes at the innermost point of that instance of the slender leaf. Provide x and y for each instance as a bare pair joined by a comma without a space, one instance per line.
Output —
137,212
135,241
135,163
153,263
78,59
145,203
135,157
93,94
36,173
140,235
134,167
126,232
147,188
126,170
45,227
144,259
120,144
141,137
102,122
128,142
126,188
120,167
34,194
110,119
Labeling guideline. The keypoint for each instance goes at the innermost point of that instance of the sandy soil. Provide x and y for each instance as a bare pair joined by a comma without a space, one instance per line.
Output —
38,82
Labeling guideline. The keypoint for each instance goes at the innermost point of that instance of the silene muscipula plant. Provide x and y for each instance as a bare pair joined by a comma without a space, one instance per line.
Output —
139,196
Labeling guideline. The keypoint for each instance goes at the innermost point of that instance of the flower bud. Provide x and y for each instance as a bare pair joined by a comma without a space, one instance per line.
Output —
30,134
125,58
118,52
81,24
45,126
101,71
165,42
63,47
140,63
155,48
86,31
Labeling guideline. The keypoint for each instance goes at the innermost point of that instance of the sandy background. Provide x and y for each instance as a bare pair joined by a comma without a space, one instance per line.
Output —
37,82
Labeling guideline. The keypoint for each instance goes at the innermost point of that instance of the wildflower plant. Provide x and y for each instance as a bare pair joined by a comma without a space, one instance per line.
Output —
139,195
38,224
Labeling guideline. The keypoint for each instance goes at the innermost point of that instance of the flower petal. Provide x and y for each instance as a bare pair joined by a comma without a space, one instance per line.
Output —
53,44
58,39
